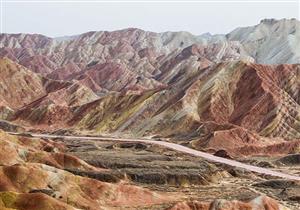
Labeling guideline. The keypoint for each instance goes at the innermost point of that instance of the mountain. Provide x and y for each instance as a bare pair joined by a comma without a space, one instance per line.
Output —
193,88
253,106
235,95
132,52
250,105
22,88
19,86
271,41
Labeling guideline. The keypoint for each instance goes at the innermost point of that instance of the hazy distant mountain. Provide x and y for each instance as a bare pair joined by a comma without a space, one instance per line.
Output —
272,41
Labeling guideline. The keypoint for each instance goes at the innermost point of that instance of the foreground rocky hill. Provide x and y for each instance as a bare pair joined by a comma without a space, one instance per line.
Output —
33,176
48,174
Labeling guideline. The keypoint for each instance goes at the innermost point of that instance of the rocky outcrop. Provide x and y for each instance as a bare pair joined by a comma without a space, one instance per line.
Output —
172,84
19,86
272,41
86,193
18,150
31,97
232,106
214,93
10,127
254,107
143,51
293,159
13,200
36,169
261,203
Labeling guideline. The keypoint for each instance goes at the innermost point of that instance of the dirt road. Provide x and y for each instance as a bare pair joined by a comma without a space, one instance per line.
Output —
183,149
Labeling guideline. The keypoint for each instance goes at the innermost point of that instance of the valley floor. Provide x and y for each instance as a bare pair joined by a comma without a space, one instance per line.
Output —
192,178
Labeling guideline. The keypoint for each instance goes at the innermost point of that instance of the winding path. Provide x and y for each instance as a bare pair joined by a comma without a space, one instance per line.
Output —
183,149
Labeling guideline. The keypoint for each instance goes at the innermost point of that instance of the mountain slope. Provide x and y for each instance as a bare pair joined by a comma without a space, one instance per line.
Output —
172,84
249,104
272,41
236,96
19,86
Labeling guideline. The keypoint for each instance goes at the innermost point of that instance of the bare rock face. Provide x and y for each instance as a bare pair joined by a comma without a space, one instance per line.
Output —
254,107
29,96
232,106
115,77
39,64
150,81
86,193
231,95
272,41
19,150
261,203
135,54
6,112
36,169
65,72
13,200
19,86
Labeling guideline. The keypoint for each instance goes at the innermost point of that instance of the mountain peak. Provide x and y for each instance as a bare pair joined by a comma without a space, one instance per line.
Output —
269,21
272,21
